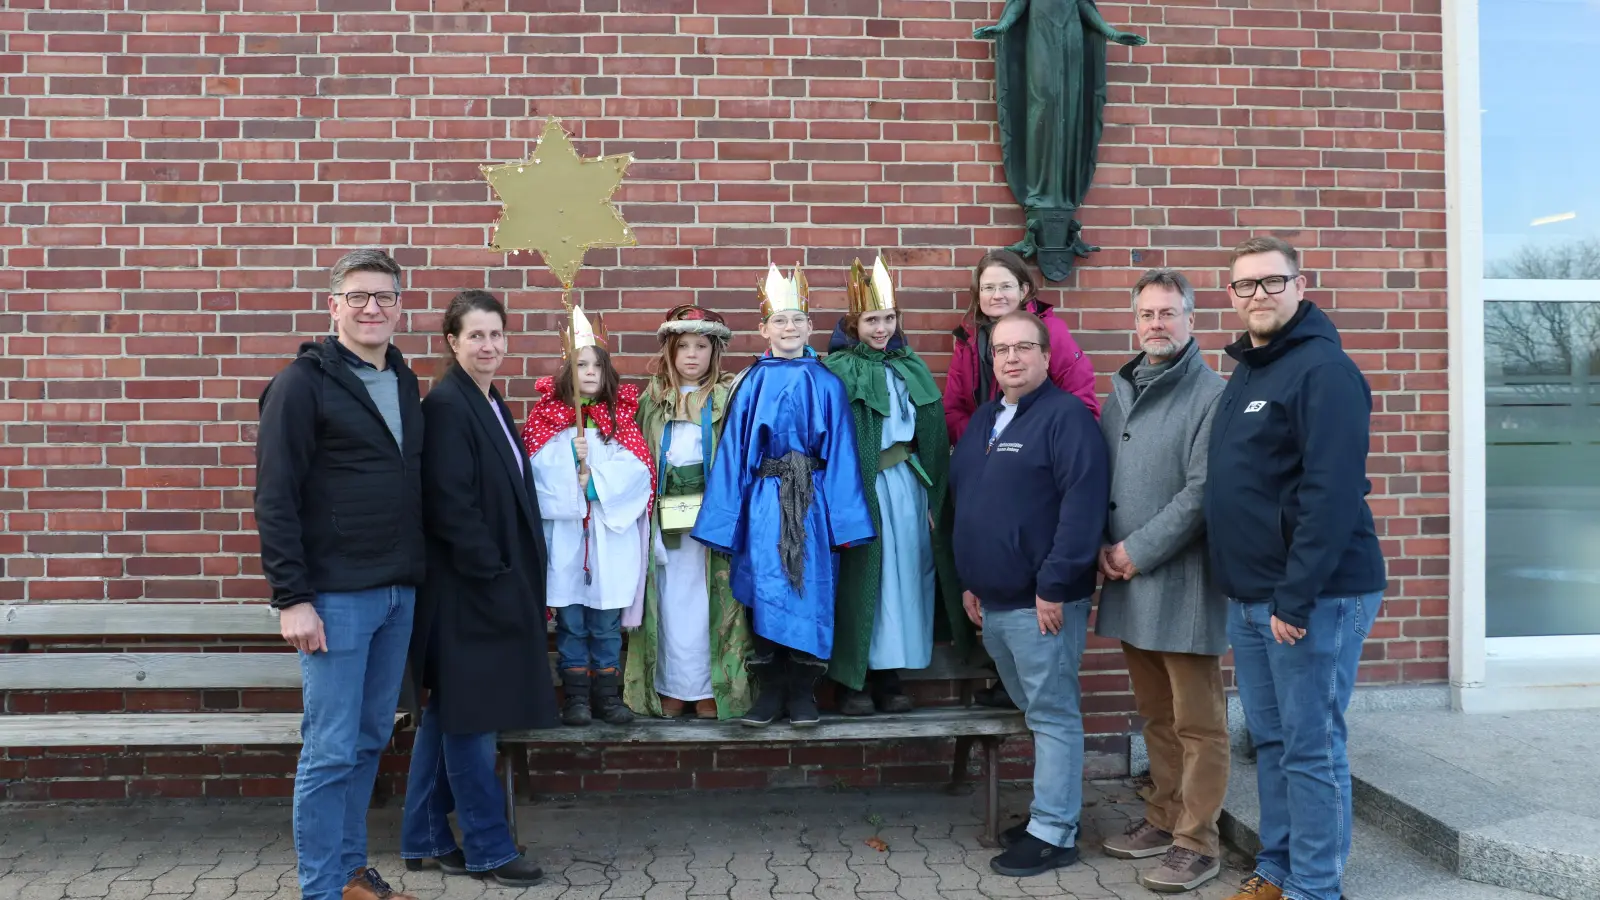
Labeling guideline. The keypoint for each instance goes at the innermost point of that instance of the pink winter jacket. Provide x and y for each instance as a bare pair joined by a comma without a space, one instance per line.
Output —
1070,369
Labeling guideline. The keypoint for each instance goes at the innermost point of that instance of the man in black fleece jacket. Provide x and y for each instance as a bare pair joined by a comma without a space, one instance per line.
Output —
339,511
1293,546
1030,480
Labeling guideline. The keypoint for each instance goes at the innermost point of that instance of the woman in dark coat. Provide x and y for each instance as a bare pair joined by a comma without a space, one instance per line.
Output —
478,643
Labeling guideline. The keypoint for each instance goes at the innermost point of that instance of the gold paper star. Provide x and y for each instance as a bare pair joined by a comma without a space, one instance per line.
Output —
559,203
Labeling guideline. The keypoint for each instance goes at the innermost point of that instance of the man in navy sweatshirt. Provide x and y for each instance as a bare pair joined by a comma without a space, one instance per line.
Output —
1293,546
1030,482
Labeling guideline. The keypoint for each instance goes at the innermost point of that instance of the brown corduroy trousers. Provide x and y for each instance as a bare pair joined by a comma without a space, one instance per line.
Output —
1186,730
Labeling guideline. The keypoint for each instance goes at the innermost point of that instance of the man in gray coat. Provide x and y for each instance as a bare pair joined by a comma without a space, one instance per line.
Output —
1158,598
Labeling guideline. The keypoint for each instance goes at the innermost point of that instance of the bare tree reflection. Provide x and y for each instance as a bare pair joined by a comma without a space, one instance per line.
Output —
1574,260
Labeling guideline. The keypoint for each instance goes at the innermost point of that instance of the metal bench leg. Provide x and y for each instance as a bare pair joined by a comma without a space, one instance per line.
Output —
991,805
511,794
958,768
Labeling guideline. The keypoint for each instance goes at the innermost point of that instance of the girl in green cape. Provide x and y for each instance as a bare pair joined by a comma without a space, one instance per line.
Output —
690,649
890,592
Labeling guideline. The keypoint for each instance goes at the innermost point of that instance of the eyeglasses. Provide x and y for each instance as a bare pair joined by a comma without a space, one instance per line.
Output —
1021,348
989,290
358,299
782,321
1272,284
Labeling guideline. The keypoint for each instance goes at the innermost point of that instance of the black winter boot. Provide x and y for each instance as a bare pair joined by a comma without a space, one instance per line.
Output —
804,673
855,703
575,684
887,693
608,703
767,673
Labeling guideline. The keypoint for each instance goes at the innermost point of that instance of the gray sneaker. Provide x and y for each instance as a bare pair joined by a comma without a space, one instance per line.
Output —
1182,870
1141,841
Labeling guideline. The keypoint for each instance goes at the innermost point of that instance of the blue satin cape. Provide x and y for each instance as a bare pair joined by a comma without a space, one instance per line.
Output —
783,405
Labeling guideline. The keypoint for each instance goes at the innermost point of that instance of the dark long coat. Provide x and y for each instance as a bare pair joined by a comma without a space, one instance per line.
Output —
479,640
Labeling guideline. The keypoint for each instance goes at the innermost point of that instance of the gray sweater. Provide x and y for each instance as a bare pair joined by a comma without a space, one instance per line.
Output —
1157,439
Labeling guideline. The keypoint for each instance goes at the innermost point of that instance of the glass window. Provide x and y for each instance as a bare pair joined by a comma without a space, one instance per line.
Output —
1539,68
1542,376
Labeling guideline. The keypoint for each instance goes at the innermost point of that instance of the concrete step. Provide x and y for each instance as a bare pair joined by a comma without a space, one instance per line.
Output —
1509,800
1382,867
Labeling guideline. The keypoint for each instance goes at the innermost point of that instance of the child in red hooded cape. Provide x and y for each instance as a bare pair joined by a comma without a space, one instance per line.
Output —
595,487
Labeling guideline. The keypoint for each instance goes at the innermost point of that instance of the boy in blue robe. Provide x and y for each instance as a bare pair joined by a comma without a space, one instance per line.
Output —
784,493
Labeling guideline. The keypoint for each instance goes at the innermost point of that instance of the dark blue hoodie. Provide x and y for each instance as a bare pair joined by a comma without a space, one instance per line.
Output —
1031,511
1286,511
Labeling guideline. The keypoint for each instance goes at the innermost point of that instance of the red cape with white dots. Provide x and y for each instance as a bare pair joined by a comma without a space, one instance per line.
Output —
549,417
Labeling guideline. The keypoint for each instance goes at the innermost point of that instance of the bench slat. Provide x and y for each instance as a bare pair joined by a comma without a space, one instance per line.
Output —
102,619
149,729
928,722
144,671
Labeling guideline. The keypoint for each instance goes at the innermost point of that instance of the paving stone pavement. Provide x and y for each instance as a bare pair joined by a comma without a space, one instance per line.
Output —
785,845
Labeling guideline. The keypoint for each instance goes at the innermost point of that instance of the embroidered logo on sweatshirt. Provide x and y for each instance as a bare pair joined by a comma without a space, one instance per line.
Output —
1256,406
1008,447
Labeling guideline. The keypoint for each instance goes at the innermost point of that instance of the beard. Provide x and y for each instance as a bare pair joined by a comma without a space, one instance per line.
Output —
1160,347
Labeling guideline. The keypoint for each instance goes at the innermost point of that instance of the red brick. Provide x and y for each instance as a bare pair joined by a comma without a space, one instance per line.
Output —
166,236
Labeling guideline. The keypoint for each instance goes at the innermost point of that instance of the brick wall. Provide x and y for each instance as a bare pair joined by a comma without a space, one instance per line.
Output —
180,173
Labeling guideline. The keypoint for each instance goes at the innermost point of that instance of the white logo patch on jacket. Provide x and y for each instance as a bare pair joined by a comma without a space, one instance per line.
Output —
1256,406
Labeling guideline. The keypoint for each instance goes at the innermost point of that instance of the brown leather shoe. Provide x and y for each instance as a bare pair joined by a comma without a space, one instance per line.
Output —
671,707
1142,840
367,884
1257,888
705,709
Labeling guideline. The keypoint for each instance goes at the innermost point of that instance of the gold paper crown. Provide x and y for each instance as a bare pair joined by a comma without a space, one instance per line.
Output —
778,294
579,334
870,293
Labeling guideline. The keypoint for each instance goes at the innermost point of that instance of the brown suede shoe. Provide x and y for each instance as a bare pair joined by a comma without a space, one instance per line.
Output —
1141,841
705,709
367,884
1257,888
671,707
1182,870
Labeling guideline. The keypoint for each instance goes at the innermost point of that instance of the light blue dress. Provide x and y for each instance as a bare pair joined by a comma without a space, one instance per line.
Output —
902,633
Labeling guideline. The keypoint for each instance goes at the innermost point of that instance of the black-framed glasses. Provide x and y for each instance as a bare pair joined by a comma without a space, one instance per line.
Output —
1272,284
358,299
1020,348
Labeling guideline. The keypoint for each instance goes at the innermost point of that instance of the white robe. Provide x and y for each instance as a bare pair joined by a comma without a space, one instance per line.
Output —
683,654
618,529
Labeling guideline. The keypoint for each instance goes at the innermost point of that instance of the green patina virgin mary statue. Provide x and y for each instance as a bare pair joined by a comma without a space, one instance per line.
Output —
1050,74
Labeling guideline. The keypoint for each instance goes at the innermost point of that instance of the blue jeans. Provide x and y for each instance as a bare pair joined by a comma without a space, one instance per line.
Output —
1040,672
351,691
455,772
1294,700
588,638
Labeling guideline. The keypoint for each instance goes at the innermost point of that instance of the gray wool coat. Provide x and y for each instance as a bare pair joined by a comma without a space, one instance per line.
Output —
1158,449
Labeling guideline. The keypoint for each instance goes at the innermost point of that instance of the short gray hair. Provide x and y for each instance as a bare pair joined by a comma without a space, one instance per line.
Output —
1167,278
365,260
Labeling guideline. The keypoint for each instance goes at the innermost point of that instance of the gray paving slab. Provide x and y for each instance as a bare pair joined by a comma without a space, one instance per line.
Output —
798,845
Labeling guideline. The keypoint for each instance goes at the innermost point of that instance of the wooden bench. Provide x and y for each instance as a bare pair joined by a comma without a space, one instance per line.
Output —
134,669
967,723
274,668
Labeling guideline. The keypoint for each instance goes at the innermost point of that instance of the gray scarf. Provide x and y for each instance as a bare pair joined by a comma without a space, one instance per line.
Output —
1148,370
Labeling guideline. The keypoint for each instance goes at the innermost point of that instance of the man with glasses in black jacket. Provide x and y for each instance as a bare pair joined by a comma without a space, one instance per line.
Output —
1294,548
339,512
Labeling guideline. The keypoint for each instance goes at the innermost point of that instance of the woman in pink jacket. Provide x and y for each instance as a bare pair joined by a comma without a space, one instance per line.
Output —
1002,282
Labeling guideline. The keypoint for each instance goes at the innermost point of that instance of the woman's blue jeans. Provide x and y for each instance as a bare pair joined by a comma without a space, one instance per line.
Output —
455,772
